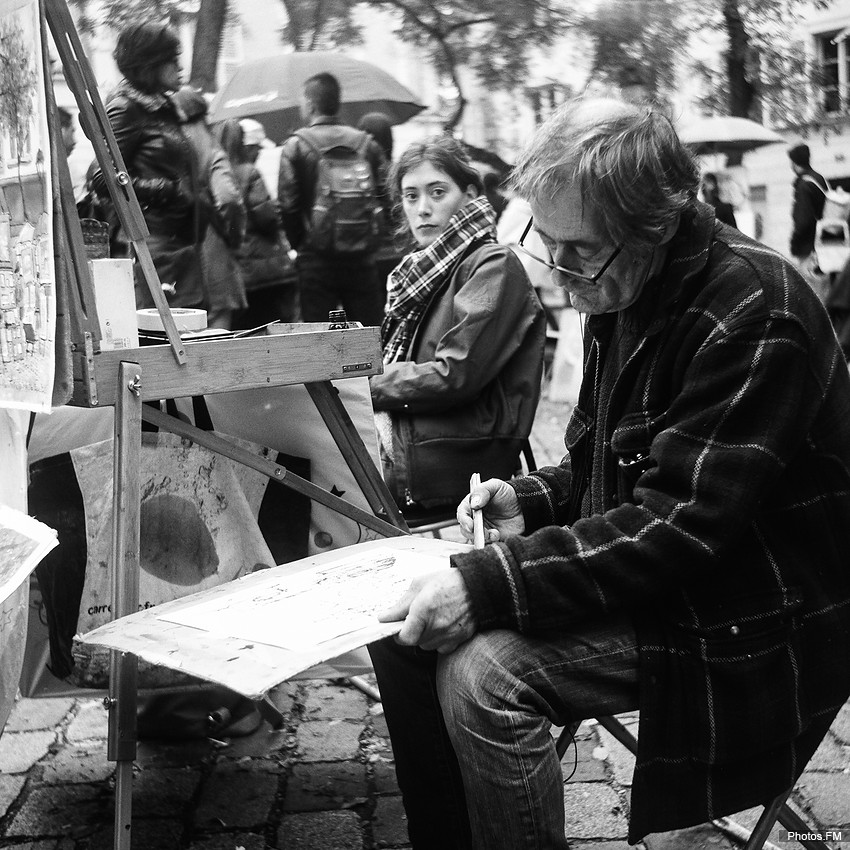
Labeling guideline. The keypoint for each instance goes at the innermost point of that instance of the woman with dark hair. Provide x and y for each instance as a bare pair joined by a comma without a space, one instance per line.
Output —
268,274
221,202
159,160
463,337
380,128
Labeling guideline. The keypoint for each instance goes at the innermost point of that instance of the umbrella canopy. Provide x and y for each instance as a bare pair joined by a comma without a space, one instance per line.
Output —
269,90
726,134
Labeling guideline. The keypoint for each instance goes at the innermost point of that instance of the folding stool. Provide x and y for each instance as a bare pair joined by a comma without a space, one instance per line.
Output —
776,809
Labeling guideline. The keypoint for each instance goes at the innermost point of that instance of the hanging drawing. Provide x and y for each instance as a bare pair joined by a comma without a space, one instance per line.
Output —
27,280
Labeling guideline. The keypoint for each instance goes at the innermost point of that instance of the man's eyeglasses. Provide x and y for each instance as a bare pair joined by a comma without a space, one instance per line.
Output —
587,278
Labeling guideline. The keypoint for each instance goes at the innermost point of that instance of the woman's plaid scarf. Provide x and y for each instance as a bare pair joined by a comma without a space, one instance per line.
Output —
415,280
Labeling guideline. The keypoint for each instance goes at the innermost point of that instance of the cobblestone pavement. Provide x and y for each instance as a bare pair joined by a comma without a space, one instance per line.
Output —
325,781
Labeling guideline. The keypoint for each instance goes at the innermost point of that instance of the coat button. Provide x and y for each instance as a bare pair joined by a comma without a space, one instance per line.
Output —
735,631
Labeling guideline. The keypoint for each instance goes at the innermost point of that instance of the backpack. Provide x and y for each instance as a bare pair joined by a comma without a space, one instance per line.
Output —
346,216
836,205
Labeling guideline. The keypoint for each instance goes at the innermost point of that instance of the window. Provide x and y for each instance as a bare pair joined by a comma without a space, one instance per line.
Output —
546,98
833,53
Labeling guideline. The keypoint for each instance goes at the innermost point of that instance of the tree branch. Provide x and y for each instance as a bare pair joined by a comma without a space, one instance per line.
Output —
317,25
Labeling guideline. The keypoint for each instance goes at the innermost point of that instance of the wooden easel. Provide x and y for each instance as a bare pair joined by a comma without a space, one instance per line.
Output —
313,356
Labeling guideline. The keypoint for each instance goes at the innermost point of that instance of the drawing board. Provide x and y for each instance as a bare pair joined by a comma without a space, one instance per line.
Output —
255,632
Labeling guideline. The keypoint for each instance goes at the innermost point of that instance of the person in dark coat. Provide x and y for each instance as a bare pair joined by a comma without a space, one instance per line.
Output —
806,210
723,211
463,337
327,280
221,199
688,557
807,207
159,159
271,285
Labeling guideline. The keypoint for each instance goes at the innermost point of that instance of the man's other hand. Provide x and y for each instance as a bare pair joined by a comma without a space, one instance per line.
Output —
436,610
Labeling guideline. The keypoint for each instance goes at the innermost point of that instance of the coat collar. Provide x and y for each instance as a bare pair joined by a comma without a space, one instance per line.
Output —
324,119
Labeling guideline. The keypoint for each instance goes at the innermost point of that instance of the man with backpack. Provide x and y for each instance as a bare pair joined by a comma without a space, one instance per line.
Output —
331,193
809,198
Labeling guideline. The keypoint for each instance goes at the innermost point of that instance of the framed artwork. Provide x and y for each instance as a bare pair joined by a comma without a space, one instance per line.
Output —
27,280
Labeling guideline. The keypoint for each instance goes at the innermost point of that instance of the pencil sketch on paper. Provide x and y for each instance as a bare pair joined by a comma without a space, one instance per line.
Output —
310,608
27,279
257,631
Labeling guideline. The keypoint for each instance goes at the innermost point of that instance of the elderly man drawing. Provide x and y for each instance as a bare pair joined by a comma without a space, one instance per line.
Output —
688,557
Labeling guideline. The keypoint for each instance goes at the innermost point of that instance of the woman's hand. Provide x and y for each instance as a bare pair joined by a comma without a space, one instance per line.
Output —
437,612
502,515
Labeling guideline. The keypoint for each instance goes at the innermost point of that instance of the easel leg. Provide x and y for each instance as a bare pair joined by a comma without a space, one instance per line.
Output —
326,398
126,500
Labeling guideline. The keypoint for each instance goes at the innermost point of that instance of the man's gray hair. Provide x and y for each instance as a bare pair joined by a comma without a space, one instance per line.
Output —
632,170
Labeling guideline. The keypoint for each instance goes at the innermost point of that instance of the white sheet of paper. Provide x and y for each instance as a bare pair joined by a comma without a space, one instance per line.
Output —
24,541
301,611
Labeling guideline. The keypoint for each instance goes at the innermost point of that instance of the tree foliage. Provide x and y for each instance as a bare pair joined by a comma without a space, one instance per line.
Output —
320,24
492,38
764,70
639,44
18,79
117,14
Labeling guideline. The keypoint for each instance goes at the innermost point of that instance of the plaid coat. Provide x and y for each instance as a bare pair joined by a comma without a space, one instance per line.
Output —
726,534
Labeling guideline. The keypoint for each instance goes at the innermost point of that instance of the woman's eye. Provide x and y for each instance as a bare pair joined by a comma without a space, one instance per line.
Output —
409,197
437,193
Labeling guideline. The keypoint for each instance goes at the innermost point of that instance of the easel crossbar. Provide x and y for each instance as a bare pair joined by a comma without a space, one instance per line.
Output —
273,471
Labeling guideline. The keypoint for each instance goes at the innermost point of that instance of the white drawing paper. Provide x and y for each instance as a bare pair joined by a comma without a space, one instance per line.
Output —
313,607
254,633
24,541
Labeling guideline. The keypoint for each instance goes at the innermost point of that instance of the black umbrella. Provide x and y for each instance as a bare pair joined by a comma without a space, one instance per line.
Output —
269,90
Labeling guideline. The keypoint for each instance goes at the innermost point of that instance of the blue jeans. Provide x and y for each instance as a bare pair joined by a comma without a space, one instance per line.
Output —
475,759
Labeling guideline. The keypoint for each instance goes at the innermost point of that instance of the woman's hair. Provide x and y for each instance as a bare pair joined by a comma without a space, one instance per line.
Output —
230,136
445,154
632,170
379,127
142,49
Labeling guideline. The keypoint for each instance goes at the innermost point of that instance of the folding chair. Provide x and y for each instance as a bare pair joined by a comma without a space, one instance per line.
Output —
776,809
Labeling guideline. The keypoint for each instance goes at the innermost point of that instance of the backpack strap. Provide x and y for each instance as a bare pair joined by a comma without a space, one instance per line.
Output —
809,179
302,134
359,147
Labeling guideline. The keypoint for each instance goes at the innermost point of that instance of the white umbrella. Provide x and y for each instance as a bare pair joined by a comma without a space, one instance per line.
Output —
726,134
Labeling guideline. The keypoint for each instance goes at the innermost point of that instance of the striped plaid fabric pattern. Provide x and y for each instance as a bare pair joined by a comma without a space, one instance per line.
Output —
421,274
725,529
